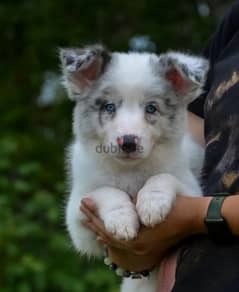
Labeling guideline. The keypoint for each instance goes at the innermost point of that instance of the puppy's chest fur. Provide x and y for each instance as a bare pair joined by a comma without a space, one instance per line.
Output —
103,172
130,182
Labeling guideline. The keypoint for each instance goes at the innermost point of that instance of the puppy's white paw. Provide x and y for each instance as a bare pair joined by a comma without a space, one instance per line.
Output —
123,223
153,207
155,199
117,211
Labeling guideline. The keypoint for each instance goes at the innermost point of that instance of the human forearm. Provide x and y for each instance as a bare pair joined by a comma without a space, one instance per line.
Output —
199,207
185,219
230,211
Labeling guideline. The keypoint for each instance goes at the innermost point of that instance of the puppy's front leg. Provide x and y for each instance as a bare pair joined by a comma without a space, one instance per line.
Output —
117,211
156,198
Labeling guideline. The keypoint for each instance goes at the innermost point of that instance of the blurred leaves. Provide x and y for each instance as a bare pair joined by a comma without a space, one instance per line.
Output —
35,251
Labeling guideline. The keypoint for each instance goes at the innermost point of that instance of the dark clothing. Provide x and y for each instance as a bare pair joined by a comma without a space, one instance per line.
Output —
220,108
203,265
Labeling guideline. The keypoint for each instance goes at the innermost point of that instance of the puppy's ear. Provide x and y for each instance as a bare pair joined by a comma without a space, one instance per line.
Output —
82,67
185,73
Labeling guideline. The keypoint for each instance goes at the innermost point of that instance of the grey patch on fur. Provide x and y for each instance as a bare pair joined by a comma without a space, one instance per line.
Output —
151,119
100,101
73,60
194,69
105,117
171,107
170,104
91,116
96,106
167,106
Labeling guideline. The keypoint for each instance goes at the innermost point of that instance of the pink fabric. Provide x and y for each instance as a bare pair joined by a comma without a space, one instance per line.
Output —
167,270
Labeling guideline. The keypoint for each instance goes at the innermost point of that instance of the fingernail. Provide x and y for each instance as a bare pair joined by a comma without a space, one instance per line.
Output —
86,201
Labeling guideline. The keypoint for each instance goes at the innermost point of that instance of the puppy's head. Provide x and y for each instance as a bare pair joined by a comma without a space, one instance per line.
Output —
130,103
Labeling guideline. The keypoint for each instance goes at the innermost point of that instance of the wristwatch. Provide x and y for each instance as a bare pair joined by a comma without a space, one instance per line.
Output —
217,226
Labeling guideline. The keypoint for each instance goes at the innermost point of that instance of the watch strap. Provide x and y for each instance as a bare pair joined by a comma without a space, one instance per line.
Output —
214,208
217,226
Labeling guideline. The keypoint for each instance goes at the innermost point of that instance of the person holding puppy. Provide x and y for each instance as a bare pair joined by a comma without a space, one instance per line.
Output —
197,245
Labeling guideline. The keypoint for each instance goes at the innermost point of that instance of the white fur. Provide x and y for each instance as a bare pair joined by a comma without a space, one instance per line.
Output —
155,176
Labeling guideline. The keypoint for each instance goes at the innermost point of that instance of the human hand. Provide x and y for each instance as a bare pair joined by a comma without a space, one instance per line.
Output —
126,254
151,244
118,215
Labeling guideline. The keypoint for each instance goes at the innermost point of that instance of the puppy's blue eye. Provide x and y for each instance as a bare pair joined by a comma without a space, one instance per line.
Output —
110,108
150,109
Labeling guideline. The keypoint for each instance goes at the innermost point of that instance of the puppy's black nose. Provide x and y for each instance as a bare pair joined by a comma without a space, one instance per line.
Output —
128,143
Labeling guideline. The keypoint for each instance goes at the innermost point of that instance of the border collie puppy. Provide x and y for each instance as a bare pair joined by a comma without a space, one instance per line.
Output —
130,140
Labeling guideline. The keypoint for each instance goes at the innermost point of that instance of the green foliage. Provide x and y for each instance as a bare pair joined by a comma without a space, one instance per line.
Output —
35,251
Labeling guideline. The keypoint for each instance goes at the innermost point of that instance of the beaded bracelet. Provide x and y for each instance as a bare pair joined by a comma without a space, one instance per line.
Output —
124,273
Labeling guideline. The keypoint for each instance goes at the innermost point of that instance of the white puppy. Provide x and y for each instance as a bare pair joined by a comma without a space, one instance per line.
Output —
130,124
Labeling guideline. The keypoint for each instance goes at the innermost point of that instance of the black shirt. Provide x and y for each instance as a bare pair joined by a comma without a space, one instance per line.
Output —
220,108
203,265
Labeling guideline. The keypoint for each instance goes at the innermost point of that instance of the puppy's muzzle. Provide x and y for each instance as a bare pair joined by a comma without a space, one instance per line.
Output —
128,143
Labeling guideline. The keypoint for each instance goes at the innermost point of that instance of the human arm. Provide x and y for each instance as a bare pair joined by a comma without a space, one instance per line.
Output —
230,213
152,244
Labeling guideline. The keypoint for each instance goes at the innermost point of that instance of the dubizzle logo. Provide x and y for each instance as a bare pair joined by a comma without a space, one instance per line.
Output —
113,149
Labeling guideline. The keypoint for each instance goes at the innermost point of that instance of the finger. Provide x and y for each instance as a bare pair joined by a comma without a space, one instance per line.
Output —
106,238
101,240
89,204
88,213
97,226
89,226
100,236
95,222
